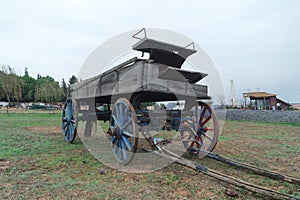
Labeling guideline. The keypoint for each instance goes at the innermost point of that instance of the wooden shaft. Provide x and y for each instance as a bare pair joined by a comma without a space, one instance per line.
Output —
223,177
270,174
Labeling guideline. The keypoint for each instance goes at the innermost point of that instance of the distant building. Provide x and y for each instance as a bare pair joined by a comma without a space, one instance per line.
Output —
266,101
296,106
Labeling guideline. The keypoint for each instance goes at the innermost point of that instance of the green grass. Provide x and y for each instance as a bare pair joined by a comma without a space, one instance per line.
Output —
224,138
39,164
270,123
20,142
15,120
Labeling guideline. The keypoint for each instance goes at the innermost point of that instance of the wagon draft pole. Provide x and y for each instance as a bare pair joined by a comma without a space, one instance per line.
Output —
118,95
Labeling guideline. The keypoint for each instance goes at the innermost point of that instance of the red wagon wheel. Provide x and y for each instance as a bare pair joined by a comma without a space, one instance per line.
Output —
124,131
201,131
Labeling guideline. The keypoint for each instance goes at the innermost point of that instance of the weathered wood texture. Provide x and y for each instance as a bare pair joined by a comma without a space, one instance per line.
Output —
143,77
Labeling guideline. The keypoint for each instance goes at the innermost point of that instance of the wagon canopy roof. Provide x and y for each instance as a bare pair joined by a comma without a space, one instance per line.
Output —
164,53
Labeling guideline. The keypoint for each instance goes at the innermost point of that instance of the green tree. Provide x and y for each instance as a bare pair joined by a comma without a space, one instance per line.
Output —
48,90
73,80
65,89
29,86
2,97
11,84
26,72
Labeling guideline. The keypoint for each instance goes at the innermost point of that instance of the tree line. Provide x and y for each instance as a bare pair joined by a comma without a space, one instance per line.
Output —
15,88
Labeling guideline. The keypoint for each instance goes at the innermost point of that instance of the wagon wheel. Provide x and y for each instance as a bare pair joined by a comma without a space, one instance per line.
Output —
202,131
69,120
124,131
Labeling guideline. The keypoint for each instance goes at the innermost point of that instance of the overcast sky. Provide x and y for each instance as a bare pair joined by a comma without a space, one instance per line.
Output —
256,43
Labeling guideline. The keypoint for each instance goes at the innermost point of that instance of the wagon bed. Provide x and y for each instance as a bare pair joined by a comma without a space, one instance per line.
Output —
156,79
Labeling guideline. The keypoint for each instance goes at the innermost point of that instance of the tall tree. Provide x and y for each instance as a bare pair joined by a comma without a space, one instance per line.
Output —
11,84
73,80
29,86
26,72
65,89
2,97
48,90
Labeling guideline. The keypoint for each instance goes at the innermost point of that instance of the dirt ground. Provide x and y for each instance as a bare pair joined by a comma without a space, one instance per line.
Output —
35,163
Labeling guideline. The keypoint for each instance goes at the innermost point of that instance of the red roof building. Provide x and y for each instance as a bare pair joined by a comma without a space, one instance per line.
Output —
265,101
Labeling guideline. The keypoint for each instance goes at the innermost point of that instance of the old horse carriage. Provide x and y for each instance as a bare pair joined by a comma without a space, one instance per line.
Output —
119,96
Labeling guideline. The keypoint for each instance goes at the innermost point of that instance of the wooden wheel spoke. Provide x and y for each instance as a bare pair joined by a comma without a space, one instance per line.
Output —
69,134
124,151
202,114
203,146
126,141
64,124
197,139
66,131
205,135
126,124
192,143
201,140
194,132
71,129
70,110
125,113
117,114
125,118
116,147
115,120
113,139
205,121
120,152
121,114
127,133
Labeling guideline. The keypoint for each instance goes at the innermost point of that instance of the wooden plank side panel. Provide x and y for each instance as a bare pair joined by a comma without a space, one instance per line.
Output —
201,91
140,76
105,89
129,78
151,81
86,90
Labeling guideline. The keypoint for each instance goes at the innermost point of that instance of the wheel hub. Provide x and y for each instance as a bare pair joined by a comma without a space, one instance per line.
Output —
202,130
117,132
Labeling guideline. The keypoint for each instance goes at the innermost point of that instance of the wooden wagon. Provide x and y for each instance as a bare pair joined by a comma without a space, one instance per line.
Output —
119,94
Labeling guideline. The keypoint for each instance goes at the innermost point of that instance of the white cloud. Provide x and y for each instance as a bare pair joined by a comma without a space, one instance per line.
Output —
254,42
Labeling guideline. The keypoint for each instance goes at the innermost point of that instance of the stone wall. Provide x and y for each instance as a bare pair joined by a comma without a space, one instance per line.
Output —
263,115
